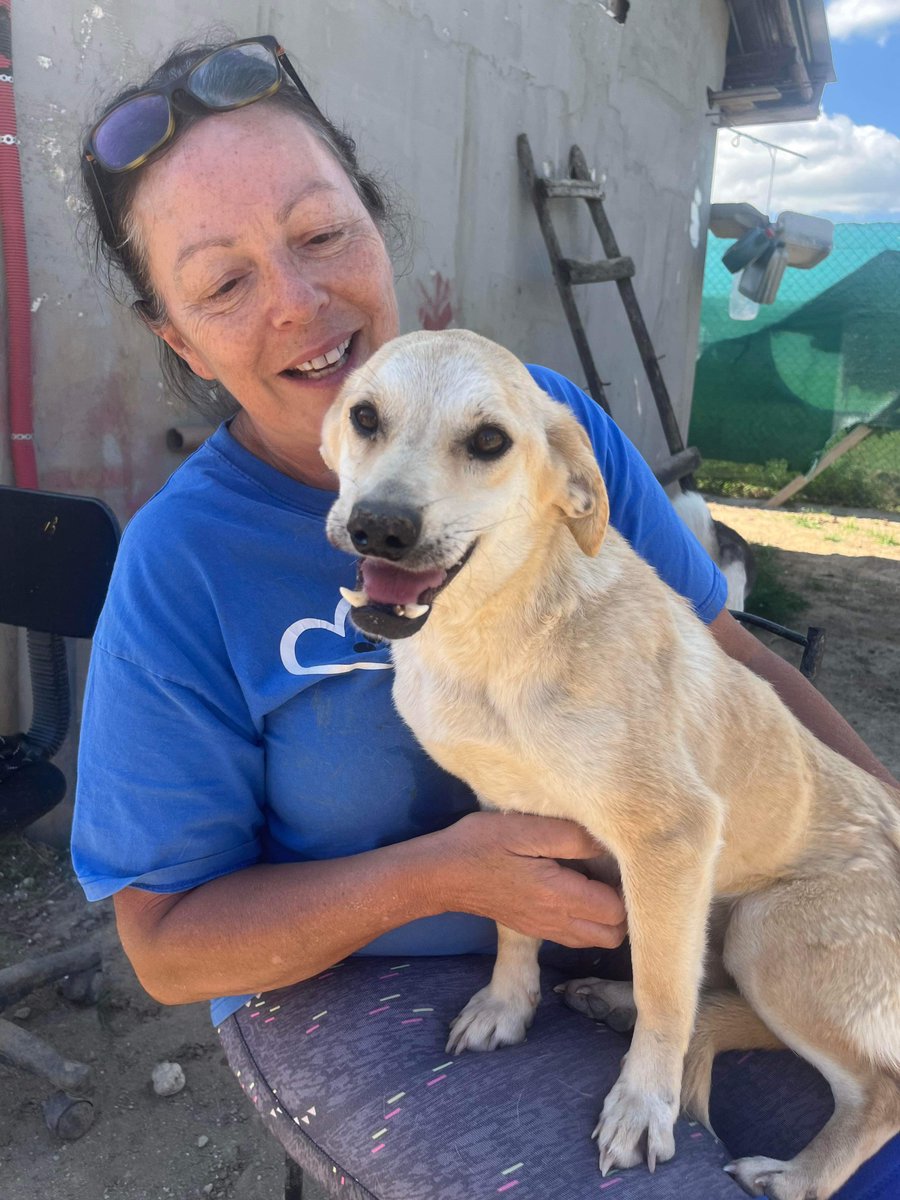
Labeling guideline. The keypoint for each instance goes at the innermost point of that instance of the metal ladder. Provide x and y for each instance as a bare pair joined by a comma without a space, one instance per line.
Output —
614,268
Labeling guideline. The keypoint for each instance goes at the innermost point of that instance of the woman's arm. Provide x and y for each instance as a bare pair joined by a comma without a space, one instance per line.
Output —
807,704
272,925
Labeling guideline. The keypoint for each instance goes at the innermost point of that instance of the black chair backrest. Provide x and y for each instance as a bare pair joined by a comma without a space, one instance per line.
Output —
56,557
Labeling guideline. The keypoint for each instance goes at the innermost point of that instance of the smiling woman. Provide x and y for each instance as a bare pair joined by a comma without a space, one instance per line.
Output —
247,792
275,291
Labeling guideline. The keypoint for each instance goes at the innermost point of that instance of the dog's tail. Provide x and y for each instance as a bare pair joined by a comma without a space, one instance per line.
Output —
725,1021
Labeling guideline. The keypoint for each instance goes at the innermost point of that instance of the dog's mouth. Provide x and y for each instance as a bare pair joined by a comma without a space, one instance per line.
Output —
391,602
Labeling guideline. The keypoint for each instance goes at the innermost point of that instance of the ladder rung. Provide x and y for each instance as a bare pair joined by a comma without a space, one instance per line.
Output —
580,189
605,270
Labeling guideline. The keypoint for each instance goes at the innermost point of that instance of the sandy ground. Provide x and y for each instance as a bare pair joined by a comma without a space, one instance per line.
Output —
846,568
205,1141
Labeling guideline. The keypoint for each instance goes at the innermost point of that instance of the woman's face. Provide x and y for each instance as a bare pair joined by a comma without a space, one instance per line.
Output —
275,280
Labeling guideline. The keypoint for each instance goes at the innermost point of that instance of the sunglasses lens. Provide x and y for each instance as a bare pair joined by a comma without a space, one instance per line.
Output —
131,131
235,75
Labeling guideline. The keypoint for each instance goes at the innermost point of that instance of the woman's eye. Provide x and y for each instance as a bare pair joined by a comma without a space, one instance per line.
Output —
488,442
322,239
364,419
225,289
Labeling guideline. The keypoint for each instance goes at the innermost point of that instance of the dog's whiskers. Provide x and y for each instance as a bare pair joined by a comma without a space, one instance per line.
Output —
459,532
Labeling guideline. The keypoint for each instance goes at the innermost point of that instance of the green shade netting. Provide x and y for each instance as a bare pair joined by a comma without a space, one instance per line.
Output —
823,358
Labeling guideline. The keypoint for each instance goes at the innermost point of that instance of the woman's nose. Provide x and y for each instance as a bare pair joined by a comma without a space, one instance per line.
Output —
297,297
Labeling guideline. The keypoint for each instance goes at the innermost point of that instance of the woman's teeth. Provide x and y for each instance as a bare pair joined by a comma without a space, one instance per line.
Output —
322,364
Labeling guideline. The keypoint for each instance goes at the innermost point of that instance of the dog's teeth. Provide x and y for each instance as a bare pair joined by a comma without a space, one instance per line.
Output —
410,611
354,599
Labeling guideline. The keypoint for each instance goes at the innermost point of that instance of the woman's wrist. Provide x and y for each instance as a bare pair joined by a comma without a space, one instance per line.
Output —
429,872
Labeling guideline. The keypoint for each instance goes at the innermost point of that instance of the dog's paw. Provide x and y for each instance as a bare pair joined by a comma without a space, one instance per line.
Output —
773,1178
488,1021
606,1000
634,1126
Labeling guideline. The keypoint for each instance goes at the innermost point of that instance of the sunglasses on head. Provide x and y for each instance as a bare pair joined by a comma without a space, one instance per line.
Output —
229,78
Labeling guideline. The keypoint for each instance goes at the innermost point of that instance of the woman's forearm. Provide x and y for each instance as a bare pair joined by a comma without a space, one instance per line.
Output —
269,925
273,925
807,704
814,711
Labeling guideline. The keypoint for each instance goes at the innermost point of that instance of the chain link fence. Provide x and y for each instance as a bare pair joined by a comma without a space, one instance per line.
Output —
773,394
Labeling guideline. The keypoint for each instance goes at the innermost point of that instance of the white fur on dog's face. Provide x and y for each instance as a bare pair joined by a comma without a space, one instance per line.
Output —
432,403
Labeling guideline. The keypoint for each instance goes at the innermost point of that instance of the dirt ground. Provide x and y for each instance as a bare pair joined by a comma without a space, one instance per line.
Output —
843,568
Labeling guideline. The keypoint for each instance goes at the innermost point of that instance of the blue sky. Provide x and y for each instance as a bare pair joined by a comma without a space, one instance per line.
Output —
866,90
851,171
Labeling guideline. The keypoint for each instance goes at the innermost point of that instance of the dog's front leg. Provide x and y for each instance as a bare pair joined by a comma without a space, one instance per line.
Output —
667,880
500,1013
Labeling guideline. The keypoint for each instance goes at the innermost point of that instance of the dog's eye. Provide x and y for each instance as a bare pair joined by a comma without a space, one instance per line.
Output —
365,419
488,442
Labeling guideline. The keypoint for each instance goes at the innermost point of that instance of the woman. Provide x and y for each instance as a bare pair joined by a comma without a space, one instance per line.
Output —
246,791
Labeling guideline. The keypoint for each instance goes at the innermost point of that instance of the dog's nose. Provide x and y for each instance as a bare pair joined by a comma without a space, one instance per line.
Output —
384,531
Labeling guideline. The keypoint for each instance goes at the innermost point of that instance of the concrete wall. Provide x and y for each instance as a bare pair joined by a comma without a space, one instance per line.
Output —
436,94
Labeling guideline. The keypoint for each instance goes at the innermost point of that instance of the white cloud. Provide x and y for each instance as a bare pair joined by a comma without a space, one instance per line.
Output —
862,18
849,169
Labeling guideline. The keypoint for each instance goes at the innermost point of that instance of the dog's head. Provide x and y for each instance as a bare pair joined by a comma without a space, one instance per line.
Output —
451,461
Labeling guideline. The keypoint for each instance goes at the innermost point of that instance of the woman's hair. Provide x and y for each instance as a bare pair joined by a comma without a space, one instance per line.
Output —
117,249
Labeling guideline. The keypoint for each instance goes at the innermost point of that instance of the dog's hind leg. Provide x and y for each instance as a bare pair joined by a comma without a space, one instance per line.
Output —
500,1013
725,1021
832,1007
866,1115
608,1000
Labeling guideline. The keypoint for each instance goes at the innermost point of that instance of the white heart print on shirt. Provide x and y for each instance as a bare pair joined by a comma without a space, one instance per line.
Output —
292,635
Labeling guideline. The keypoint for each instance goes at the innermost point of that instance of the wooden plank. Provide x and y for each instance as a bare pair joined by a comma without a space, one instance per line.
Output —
838,450
580,189
526,163
853,438
26,1050
603,270
17,981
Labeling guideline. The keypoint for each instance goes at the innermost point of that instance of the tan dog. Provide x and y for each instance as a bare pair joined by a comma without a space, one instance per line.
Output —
555,672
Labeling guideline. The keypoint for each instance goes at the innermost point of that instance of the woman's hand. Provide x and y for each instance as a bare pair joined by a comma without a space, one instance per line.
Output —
503,866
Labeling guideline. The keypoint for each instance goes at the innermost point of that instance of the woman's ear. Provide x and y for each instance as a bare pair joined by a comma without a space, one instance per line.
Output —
182,348
581,493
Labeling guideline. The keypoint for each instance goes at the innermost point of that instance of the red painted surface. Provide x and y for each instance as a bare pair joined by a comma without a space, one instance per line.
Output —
106,464
15,263
436,309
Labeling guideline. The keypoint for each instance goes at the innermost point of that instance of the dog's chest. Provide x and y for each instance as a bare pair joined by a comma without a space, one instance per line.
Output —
510,744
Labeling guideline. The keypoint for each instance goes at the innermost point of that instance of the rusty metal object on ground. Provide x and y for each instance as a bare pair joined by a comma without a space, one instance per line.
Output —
69,1117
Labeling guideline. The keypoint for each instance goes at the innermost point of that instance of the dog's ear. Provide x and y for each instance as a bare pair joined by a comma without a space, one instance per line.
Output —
582,493
331,427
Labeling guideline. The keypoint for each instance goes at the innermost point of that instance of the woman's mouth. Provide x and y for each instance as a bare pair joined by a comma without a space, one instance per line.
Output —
322,365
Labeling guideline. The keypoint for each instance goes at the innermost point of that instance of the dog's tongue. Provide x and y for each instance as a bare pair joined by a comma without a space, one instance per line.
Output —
386,584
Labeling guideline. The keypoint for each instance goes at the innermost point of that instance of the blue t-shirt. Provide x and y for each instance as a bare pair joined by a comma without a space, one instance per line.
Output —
233,715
